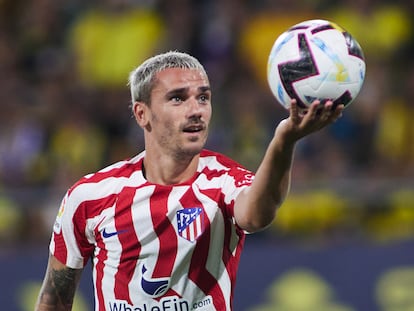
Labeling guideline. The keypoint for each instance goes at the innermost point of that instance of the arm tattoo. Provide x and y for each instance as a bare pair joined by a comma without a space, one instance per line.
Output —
59,288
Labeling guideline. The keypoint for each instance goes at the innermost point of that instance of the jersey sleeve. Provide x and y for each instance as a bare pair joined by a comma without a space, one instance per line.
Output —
238,178
234,178
69,242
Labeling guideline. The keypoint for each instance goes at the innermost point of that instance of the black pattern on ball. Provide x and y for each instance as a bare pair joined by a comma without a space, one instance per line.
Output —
299,69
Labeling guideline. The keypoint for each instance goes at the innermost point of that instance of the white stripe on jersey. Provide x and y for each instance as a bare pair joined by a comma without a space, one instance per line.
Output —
104,220
148,239
214,262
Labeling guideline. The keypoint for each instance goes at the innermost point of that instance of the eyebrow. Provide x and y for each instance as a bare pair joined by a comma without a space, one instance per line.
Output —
204,89
201,89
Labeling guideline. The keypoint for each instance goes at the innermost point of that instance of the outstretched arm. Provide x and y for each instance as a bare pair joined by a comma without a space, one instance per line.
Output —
255,207
59,286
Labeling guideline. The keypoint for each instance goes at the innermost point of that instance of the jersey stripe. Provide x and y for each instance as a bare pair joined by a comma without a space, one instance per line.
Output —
165,232
131,247
58,248
233,245
197,270
97,213
99,266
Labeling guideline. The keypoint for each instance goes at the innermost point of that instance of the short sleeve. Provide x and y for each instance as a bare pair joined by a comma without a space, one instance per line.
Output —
69,243
238,178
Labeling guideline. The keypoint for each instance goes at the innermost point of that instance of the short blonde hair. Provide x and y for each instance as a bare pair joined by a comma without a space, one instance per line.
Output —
142,79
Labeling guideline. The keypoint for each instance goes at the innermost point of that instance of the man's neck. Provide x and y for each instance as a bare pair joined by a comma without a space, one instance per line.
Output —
167,171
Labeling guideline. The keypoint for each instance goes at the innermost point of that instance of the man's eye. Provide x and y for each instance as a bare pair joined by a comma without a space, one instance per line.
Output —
176,99
204,98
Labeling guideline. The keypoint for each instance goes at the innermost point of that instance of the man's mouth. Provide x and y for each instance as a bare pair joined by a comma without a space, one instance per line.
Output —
193,128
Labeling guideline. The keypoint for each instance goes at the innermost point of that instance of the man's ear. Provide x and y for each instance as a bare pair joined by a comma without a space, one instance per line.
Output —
141,113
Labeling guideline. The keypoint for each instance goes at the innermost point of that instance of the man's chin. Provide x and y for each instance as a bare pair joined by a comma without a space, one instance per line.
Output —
190,150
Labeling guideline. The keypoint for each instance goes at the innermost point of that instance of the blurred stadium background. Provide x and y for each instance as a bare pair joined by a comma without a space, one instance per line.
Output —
344,240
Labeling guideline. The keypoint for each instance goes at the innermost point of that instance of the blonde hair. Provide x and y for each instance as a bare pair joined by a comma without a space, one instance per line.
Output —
142,79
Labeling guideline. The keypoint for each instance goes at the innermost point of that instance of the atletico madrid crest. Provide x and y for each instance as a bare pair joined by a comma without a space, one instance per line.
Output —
190,223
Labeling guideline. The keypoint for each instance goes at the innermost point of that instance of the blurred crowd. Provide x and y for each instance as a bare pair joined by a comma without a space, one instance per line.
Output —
65,103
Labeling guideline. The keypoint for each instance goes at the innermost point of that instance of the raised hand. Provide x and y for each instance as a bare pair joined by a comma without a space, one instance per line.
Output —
302,122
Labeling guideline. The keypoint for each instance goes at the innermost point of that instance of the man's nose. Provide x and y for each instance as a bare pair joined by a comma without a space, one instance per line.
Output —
194,107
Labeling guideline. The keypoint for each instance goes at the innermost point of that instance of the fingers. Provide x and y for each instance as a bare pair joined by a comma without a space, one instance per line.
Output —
318,115
294,112
325,112
302,122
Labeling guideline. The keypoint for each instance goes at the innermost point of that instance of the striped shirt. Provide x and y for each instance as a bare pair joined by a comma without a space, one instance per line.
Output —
155,247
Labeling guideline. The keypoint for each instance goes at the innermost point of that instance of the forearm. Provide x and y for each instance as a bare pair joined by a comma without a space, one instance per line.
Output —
58,288
256,207
273,176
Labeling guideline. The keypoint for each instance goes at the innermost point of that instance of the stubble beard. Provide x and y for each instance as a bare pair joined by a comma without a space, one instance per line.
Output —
174,143
188,153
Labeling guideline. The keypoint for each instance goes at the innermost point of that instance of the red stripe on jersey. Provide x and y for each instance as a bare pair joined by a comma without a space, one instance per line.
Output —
60,248
242,177
200,275
210,174
131,247
164,231
231,262
197,271
83,212
99,268
125,170
88,210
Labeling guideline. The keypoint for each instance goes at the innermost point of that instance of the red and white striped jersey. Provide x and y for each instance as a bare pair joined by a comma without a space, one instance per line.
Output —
155,247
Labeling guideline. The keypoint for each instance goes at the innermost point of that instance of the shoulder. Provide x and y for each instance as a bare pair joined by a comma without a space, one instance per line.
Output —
219,172
211,158
214,163
110,179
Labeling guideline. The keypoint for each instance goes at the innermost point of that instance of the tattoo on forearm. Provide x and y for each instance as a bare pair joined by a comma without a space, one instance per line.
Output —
60,287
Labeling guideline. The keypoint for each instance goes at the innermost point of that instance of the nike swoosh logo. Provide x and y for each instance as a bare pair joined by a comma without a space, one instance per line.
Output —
106,234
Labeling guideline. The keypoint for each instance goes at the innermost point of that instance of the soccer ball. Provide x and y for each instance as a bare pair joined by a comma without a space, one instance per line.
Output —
316,59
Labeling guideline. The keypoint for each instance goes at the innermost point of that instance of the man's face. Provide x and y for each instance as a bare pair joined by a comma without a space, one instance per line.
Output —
179,113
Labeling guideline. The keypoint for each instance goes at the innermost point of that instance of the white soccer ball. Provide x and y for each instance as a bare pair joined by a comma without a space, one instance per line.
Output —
316,59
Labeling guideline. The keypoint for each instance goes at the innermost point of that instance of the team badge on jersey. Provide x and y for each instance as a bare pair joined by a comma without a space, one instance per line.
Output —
190,223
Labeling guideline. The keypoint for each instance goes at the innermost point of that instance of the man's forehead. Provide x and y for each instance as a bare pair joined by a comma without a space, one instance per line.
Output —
178,77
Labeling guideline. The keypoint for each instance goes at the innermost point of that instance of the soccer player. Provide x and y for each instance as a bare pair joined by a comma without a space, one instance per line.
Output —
165,228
